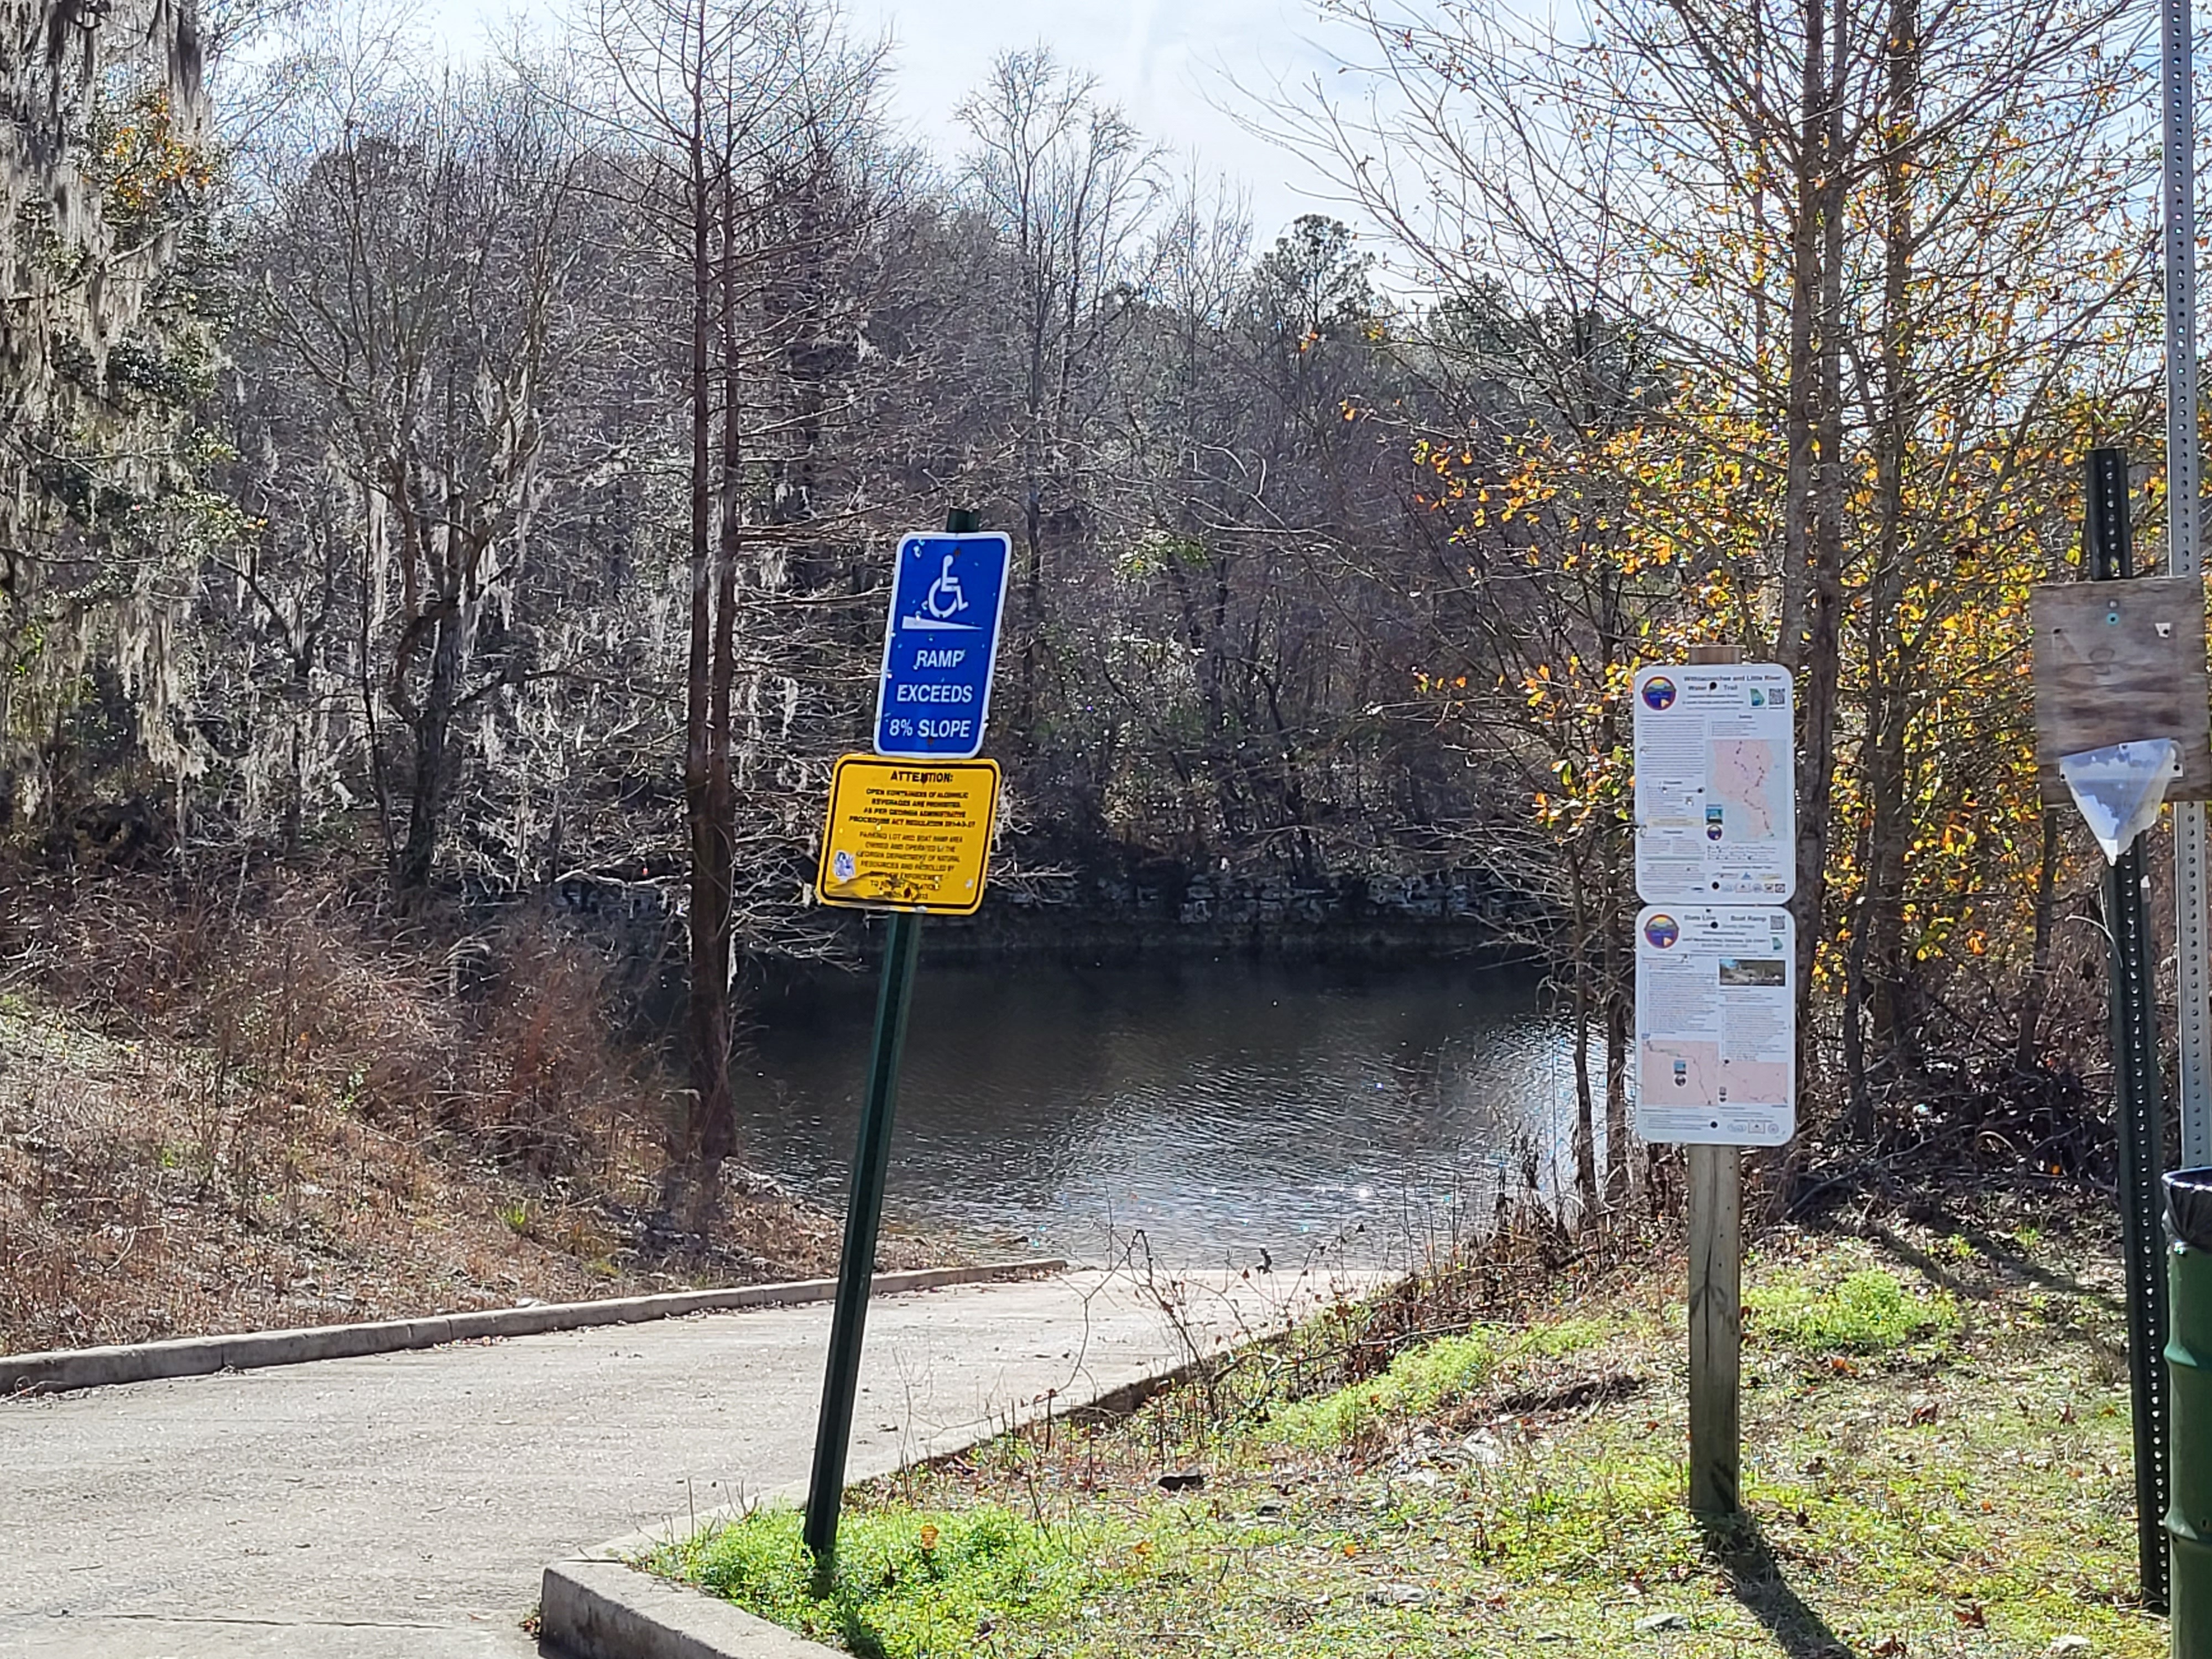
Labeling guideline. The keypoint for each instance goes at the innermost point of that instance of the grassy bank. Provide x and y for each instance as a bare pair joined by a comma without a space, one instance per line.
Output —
279,1112
1936,1463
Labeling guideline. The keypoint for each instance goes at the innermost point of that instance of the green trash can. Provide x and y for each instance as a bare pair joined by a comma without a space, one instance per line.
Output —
2189,1382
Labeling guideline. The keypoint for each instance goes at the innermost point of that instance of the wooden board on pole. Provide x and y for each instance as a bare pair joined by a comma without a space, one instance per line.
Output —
2117,662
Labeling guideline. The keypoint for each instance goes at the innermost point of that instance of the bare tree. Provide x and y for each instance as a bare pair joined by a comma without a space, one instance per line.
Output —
1835,234
745,115
422,284
1066,183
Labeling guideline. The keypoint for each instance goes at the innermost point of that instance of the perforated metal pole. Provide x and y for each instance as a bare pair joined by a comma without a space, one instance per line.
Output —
2184,482
2183,477
2138,1105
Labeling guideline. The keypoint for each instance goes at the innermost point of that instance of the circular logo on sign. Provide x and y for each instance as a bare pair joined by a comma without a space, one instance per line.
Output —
841,863
1663,931
1659,692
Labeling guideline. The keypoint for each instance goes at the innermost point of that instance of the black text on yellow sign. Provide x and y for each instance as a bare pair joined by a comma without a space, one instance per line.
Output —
908,835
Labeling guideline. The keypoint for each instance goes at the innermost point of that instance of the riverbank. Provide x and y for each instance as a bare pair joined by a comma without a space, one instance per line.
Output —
138,1201
1115,906
1114,940
1936,1463
295,1108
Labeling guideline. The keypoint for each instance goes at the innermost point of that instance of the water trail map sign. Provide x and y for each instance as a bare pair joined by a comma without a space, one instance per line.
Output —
1715,1024
1716,794
908,835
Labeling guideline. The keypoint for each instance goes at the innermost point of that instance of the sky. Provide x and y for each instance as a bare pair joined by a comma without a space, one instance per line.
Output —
1174,67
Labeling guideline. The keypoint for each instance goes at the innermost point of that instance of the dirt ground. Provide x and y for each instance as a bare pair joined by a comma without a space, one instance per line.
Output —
148,1191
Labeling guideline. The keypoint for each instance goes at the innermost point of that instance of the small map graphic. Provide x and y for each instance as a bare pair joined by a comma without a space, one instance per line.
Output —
1678,1073
1748,777
1756,1082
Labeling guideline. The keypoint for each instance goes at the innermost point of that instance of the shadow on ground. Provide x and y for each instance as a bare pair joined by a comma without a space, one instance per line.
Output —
1737,1545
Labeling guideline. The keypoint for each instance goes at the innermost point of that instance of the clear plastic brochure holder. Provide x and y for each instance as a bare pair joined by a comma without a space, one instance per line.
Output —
2119,789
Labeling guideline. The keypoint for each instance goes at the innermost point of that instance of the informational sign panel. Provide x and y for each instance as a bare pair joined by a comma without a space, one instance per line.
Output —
903,836
1716,1025
1716,785
940,643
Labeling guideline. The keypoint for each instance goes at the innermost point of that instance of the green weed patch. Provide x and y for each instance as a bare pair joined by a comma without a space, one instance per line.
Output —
1420,1380
1869,1312
909,1582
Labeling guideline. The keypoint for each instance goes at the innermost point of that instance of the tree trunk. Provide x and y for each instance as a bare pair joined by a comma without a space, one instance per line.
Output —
1801,393
2026,1058
1875,980
1820,587
718,846
1890,667
707,1008
432,727
1585,1104
1617,1137
1032,551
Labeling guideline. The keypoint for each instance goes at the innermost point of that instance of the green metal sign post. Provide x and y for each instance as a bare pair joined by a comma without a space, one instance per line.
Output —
825,1490
2139,1106
833,1434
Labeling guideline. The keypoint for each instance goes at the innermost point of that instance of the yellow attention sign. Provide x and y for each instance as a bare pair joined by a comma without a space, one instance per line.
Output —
906,835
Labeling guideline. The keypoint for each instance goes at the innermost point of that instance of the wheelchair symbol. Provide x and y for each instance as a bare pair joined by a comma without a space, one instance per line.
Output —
944,599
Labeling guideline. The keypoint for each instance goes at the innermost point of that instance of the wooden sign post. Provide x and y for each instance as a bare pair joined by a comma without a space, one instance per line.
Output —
1716,1223
1715,1328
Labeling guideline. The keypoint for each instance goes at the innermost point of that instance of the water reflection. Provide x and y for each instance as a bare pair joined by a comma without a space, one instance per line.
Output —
1223,1107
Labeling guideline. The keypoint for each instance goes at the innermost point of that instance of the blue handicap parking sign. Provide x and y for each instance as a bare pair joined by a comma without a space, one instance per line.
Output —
940,645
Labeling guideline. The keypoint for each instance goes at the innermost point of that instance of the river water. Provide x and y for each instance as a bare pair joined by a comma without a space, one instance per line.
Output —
1204,1112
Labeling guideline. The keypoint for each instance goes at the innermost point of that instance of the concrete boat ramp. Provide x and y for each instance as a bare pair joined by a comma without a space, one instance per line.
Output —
405,1504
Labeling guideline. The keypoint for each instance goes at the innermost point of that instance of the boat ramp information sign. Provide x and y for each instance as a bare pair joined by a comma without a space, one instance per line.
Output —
909,836
940,642
1715,787
1716,1025
1716,860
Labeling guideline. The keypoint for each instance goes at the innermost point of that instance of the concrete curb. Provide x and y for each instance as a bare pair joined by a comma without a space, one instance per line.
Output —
607,1610
200,1356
